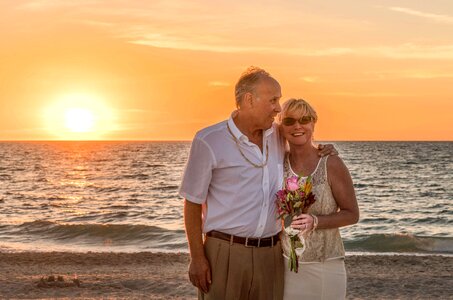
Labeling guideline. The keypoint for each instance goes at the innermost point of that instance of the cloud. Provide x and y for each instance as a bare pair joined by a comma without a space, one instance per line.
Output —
310,79
430,16
196,26
365,95
219,83
372,76
409,74
49,4
135,110
186,43
149,113
428,75
402,51
181,40
410,51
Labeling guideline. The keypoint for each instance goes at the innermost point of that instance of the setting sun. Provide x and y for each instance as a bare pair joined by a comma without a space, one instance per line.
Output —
79,117
79,120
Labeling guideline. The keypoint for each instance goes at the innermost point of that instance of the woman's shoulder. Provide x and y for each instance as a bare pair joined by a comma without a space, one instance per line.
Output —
335,165
337,172
334,161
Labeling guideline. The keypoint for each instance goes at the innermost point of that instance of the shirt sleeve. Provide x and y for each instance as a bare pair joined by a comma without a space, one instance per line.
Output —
198,172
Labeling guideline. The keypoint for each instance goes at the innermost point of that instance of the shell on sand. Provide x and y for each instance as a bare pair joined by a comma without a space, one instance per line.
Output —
49,282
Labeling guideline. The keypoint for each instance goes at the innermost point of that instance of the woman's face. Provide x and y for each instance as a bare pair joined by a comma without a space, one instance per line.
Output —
297,128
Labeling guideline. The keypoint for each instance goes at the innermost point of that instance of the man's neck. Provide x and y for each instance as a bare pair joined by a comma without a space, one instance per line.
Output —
249,129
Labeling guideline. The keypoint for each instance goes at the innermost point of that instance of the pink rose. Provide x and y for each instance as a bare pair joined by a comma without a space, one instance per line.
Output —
291,184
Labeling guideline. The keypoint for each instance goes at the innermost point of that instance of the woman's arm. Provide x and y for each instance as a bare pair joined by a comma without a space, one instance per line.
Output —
340,182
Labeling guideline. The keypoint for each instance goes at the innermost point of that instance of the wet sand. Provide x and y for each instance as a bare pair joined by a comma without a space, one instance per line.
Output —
164,276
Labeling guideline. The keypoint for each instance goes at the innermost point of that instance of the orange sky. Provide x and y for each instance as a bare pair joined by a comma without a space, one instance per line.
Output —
161,70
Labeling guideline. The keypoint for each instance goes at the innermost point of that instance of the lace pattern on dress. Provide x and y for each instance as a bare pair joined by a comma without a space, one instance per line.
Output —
321,244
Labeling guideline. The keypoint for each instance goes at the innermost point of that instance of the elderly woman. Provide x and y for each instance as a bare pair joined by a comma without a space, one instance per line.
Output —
322,273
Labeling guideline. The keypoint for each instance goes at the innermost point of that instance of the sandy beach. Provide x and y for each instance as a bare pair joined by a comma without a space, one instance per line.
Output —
163,276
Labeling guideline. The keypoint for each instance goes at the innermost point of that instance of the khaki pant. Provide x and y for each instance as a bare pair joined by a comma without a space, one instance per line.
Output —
240,272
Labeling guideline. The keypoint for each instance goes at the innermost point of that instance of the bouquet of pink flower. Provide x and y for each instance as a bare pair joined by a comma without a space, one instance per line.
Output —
294,199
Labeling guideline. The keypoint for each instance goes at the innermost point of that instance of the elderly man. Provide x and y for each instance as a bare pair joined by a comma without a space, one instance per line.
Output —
229,185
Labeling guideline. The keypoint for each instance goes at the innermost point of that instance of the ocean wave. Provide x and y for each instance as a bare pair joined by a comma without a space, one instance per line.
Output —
156,165
436,205
372,185
426,220
5,177
139,176
18,169
360,185
109,189
139,164
379,220
165,188
431,193
117,207
401,243
92,233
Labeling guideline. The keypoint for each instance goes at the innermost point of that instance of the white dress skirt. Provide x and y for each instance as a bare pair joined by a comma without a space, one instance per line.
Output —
316,280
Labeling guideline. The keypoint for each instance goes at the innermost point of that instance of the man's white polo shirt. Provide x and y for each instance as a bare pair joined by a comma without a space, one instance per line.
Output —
237,197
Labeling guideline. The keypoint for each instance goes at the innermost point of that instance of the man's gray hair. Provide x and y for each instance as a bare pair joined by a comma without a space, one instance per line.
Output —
248,81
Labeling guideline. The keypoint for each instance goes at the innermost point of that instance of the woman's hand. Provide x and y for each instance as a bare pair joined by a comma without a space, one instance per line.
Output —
303,222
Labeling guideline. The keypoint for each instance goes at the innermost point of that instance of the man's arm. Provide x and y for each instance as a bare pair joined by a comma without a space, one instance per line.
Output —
199,269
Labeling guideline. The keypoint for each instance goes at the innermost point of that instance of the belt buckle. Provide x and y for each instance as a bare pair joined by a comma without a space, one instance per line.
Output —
247,243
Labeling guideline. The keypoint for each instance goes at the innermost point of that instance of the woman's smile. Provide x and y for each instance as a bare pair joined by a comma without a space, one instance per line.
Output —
295,134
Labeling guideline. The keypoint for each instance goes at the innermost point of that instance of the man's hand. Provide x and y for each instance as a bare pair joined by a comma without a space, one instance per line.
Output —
200,273
199,269
327,149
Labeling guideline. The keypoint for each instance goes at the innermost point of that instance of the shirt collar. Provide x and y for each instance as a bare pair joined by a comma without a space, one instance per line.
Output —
238,134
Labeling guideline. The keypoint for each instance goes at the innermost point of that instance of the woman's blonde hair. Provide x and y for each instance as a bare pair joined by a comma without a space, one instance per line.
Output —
299,106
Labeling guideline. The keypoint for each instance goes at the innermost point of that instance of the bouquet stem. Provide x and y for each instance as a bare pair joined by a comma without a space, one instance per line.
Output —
293,259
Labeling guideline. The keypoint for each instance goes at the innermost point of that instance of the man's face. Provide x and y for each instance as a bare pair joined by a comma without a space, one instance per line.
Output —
266,102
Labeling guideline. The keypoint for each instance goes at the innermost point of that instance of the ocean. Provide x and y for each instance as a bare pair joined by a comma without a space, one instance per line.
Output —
123,196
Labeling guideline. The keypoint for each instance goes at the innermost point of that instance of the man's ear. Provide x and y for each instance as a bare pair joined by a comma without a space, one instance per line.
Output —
248,99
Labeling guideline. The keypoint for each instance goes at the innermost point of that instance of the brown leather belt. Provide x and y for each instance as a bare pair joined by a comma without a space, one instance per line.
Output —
247,242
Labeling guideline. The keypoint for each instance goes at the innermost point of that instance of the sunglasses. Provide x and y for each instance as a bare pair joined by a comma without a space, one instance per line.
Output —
291,121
